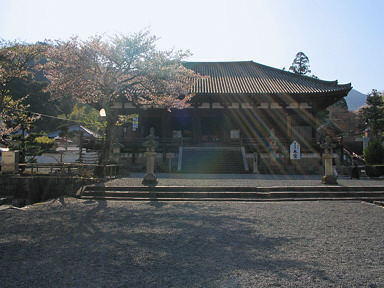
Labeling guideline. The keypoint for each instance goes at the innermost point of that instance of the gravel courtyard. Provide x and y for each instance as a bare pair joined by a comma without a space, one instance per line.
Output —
80,243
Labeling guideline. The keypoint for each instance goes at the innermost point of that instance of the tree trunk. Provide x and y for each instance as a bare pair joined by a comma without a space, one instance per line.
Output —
106,146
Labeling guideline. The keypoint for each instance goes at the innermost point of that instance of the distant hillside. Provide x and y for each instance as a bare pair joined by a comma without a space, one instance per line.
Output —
355,99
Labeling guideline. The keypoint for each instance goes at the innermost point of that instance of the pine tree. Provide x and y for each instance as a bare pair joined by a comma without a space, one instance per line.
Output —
374,113
300,64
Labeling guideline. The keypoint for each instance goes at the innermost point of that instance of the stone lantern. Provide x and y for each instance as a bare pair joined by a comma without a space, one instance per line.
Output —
329,177
150,145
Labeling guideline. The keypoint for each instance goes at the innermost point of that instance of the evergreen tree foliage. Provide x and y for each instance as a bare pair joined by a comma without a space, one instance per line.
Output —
300,64
86,116
374,153
374,113
32,145
342,104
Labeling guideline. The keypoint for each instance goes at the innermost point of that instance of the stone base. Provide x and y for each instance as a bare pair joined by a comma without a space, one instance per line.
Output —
329,179
149,179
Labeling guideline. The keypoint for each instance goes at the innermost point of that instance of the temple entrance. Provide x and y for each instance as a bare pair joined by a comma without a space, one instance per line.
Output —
151,122
182,127
211,129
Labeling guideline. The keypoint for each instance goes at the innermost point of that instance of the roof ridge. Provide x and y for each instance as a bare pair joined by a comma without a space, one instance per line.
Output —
307,77
217,62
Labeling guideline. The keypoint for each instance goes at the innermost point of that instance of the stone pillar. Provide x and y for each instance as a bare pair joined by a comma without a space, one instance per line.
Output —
10,162
151,144
329,177
328,164
116,149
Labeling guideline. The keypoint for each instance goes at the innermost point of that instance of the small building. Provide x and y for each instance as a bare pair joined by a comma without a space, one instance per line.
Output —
76,128
243,117
89,138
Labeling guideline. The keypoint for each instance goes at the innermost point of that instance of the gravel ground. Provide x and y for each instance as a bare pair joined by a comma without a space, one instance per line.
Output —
80,243
258,180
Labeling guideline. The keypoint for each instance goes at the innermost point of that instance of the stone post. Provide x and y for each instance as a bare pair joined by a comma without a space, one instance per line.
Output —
329,177
151,144
116,150
10,162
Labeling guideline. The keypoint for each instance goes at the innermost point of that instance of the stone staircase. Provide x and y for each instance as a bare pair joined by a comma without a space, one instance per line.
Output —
178,193
212,160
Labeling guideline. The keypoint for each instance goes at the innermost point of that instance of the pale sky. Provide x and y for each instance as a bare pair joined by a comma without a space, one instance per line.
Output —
344,39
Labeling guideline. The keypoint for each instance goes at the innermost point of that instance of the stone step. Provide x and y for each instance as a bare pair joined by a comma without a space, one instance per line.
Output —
367,199
320,188
232,193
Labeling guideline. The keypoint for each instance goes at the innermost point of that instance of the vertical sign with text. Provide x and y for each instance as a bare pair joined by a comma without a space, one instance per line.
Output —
135,123
295,150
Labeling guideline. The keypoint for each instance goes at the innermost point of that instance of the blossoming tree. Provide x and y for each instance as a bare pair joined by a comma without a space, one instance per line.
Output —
16,62
99,71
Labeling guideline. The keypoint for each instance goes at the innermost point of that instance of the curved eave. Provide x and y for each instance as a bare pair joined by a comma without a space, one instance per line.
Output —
318,101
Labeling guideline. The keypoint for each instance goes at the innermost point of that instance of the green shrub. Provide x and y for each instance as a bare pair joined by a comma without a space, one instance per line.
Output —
374,170
374,153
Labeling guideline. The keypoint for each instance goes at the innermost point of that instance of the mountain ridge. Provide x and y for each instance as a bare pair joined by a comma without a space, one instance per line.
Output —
355,99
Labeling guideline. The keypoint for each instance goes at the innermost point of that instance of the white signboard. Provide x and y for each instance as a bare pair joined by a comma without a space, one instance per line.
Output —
135,123
235,134
295,150
170,155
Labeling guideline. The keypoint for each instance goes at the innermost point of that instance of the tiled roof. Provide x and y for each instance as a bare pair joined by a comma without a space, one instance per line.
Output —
86,131
253,78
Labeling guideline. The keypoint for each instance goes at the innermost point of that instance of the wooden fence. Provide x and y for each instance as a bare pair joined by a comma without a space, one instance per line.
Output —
70,169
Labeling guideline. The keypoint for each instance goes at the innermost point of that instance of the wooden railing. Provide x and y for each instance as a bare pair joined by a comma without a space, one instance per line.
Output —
263,144
137,144
256,144
71,169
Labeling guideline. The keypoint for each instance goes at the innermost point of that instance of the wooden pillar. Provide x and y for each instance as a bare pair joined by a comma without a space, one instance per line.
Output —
289,126
196,126
166,125
226,125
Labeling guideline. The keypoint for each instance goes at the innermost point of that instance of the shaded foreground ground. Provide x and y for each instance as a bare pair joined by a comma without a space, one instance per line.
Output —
81,243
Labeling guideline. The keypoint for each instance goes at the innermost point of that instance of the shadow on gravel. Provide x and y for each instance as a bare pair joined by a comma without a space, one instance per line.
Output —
143,245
